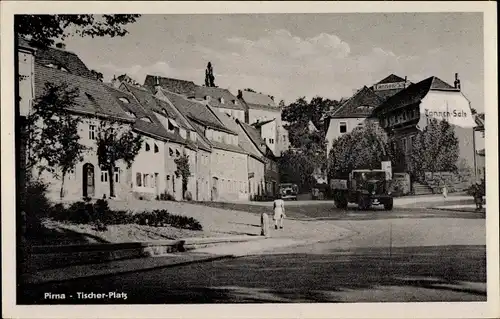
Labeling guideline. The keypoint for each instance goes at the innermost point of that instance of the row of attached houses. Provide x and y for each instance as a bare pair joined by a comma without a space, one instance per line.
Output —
403,109
228,159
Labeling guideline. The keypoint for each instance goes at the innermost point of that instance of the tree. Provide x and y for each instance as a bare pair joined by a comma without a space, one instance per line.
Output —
434,149
297,168
115,144
363,148
45,29
209,76
52,132
183,170
250,90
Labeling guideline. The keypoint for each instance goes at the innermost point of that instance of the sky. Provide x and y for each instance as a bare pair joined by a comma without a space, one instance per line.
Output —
294,55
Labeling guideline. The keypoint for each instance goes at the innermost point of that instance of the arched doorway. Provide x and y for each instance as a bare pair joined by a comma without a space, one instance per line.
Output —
88,179
215,191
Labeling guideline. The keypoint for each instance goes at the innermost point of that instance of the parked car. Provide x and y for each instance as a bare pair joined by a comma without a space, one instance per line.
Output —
289,191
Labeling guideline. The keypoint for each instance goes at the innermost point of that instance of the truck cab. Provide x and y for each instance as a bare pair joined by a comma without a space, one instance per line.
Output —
363,187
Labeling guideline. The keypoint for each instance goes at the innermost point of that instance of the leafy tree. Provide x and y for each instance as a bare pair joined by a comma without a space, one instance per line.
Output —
209,76
115,144
52,132
250,90
297,168
363,148
183,170
45,29
434,149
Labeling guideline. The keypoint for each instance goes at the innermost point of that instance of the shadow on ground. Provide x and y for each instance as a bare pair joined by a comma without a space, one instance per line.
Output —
441,273
328,211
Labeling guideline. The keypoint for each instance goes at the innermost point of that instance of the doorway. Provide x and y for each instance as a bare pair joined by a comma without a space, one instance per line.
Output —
88,180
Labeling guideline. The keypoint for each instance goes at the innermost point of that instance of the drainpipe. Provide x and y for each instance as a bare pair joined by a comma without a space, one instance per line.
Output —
474,148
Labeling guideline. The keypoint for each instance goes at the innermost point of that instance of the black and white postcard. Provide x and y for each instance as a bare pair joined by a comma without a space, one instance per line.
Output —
216,159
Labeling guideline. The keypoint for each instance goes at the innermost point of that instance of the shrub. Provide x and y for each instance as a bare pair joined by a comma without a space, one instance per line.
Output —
34,205
100,215
167,196
188,196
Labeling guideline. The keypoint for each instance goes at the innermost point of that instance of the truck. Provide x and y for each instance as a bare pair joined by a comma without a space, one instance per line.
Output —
288,191
364,187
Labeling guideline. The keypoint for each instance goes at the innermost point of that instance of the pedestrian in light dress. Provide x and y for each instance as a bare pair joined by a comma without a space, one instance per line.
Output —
279,212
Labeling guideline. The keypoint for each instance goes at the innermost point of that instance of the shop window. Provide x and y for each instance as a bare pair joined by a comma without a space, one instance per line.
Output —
343,127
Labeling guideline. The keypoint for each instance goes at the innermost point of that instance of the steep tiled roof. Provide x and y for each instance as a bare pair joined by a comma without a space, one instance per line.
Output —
93,99
391,79
258,99
361,104
146,98
173,85
227,147
260,124
250,140
414,94
154,128
62,58
202,141
195,111
218,97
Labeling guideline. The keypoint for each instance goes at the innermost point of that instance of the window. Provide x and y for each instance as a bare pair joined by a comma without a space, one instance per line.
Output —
117,175
221,100
146,180
138,179
177,153
124,100
343,127
235,102
156,148
170,152
146,119
92,129
104,176
146,145
271,140
403,144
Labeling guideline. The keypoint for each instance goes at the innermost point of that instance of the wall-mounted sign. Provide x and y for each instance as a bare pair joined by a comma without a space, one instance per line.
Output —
390,86
251,175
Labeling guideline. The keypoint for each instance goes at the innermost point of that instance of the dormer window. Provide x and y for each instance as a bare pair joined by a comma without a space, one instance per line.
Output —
221,100
235,102
124,100
146,119
130,114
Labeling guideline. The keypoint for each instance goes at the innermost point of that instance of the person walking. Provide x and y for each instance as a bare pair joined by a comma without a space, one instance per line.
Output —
279,212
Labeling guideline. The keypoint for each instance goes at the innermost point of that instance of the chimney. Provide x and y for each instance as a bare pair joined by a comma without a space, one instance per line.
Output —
240,94
457,82
157,80
61,46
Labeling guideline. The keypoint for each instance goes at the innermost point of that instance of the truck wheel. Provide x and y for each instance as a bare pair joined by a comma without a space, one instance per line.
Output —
362,204
341,203
388,205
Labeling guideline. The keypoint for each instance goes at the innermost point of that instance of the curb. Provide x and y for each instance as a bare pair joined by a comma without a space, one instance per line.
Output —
458,210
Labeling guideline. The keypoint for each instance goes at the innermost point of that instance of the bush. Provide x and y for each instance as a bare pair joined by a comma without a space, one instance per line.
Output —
167,196
188,196
33,206
100,215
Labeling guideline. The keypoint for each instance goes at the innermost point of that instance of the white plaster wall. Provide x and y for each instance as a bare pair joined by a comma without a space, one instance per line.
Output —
231,170
333,131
